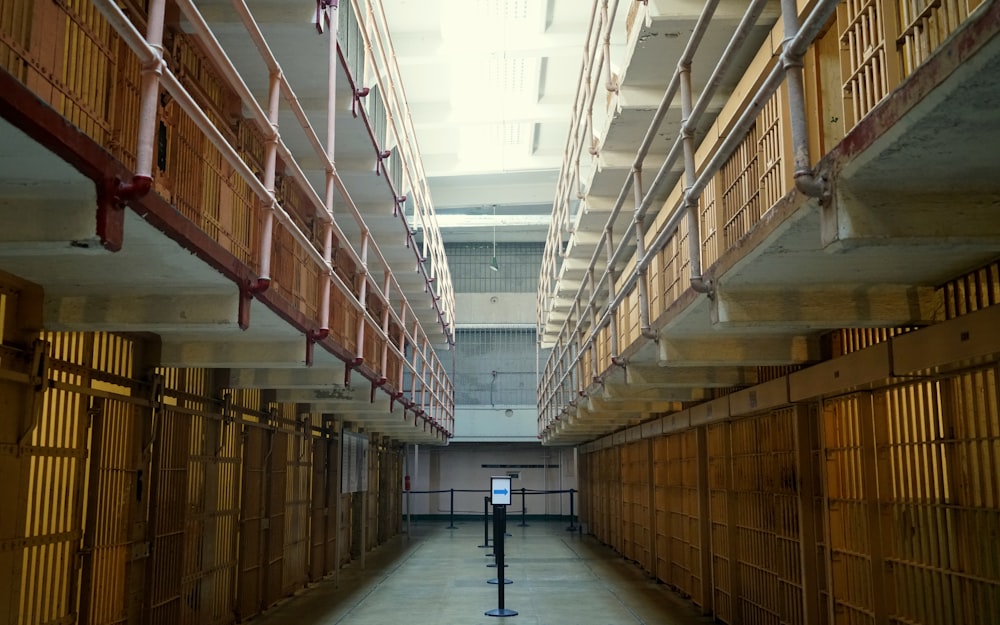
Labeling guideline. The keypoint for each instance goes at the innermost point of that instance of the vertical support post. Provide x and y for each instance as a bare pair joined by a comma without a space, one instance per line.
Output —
338,435
270,165
425,366
486,523
359,352
413,367
804,441
651,501
451,511
732,534
572,517
609,249
364,507
331,142
387,291
96,413
142,531
822,436
524,511
873,425
409,509
704,522
149,91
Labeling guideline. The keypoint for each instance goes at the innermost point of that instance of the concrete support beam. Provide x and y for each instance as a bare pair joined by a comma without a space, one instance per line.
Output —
605,404
825,306
663,12
42,226
714,350
597,424
234,355
682,377
653,393
340,397
162,313
326,378
858,218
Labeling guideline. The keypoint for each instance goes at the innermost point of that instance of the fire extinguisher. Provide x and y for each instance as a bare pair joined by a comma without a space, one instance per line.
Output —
406,483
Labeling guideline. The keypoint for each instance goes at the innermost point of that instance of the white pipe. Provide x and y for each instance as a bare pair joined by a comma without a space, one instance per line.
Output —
149,51
331,172
387,282
359,354
324,302
791,59
270,164
150,89
609,84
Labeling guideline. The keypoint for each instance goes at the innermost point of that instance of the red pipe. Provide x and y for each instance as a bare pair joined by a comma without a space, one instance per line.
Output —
259,286
319,335
138,187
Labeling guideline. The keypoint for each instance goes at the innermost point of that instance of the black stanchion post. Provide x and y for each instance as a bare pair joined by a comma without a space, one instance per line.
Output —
499,525
498,562
451,513
572,517
524,520
486,523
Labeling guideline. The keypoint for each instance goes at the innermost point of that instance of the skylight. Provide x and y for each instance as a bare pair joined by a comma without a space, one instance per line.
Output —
492,88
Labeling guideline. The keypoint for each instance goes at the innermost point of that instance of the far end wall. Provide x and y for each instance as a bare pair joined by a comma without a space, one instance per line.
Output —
468,466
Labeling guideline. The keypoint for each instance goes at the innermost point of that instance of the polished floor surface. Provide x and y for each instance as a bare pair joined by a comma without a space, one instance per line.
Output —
437,576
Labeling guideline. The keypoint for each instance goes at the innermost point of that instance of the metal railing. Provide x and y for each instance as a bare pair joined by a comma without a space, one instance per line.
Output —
521,493
615,279
433,389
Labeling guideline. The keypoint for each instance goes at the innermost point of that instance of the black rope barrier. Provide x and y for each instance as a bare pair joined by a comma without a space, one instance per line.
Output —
524,508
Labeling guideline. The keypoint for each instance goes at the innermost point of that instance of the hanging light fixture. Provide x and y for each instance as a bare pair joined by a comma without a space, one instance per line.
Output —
493,261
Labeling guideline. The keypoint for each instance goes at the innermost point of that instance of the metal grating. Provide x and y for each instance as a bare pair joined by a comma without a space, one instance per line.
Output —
941,496
298,491
54,481
925,24
470,267
723,513
675,481
210,555
849,459
636,484
495,366
767,530
974,291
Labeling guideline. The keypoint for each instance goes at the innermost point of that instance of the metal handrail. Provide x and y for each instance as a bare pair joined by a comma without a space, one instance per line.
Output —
148,54
795,46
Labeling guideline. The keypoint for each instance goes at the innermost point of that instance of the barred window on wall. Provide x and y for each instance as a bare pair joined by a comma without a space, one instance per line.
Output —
495,366
469,264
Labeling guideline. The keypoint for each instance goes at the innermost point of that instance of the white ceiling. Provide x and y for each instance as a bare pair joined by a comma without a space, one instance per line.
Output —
490,84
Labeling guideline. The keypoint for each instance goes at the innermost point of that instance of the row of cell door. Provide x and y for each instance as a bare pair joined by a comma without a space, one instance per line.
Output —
124,503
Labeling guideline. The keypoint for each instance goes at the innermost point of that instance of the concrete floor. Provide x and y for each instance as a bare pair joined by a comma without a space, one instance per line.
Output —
439,577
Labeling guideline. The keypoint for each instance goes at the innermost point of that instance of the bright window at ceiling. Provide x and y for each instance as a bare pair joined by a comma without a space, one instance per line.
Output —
493,88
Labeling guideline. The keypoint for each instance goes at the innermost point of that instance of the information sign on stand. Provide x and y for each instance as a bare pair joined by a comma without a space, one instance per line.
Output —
500,490
501,496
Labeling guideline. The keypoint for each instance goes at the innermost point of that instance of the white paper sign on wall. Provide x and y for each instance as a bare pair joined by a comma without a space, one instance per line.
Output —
353,462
